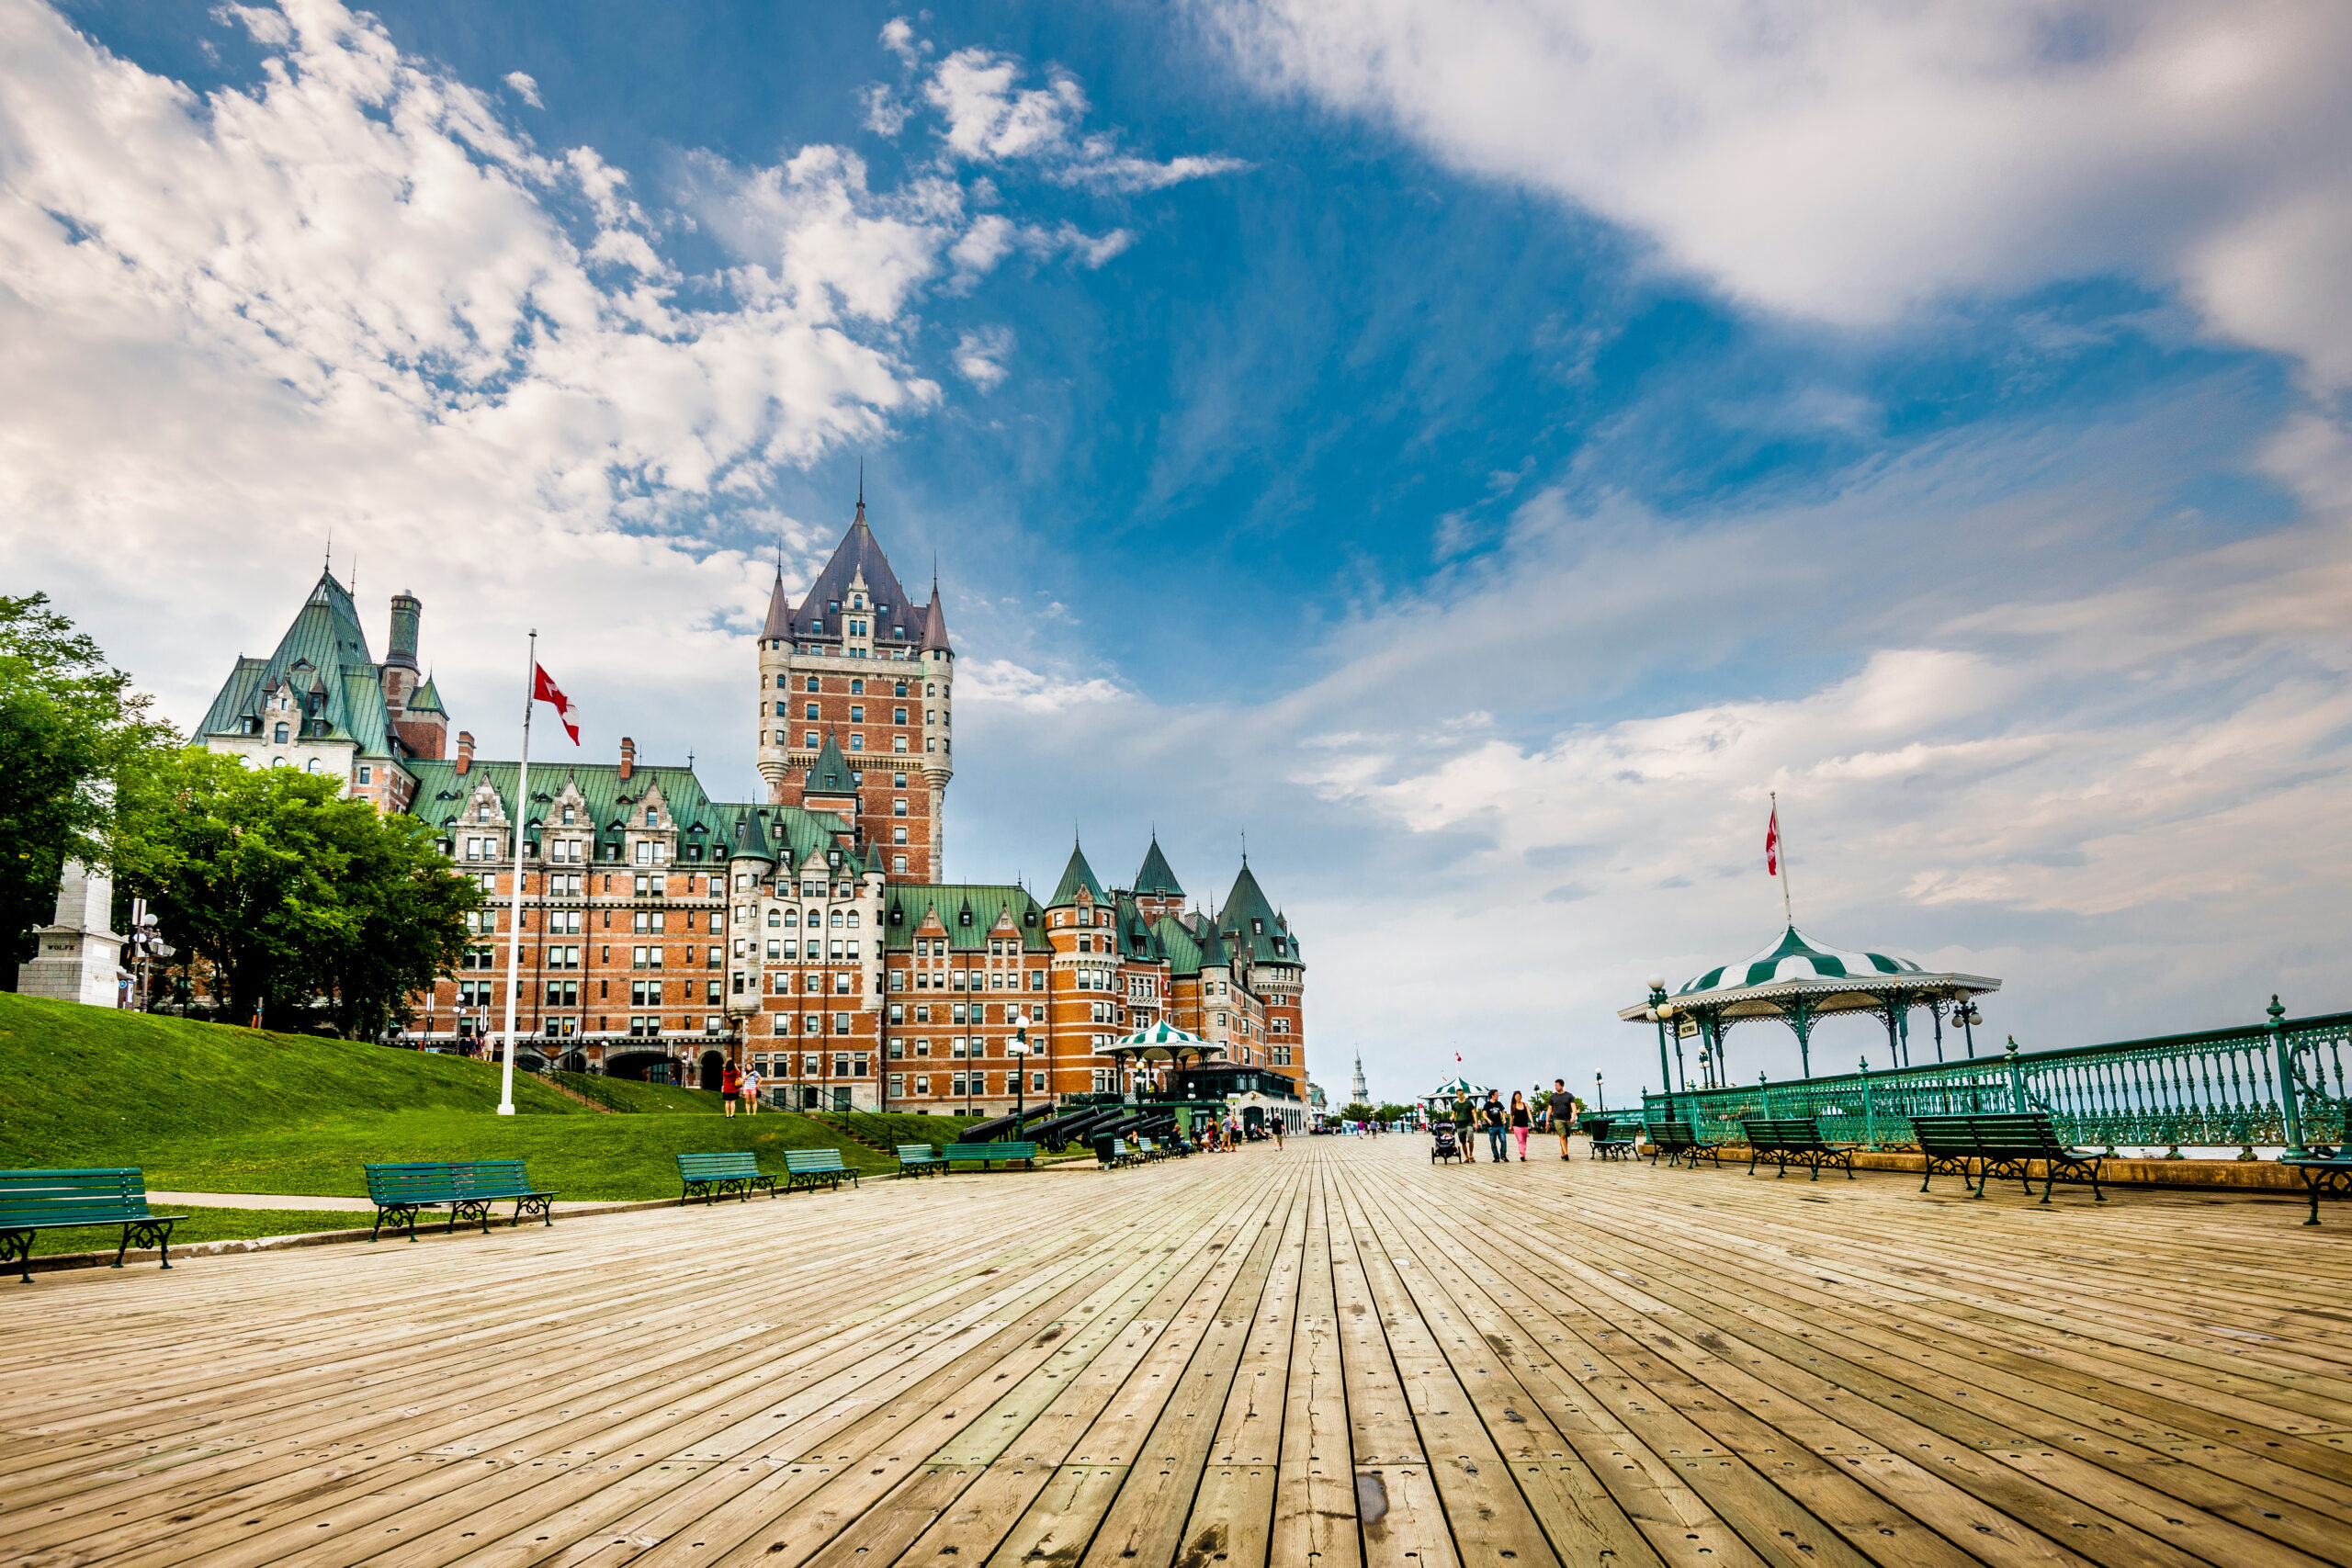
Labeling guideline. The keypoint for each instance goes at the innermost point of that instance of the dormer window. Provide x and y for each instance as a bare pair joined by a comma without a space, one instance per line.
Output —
481,813
279,734
568,817
652,818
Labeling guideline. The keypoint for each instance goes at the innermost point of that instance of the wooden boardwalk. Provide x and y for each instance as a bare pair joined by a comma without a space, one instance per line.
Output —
1331,1355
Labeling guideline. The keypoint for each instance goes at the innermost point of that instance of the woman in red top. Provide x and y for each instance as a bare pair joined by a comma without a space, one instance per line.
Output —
730,1084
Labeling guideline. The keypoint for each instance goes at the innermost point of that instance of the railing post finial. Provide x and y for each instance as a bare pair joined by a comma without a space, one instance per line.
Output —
2291,1112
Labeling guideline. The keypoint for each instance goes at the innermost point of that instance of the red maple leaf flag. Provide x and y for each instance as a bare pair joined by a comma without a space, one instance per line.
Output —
1772,844
544,689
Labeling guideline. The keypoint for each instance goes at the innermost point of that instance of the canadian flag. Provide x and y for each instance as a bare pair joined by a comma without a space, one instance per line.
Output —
1772,844
544,689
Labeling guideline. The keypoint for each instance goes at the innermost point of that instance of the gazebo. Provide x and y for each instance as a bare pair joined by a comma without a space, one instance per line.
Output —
1799,982
1445,1094
1161,1041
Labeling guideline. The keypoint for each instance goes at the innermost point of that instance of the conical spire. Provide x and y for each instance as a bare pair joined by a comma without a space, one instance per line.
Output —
779,611
934,622
1156,878
830,775
1075,875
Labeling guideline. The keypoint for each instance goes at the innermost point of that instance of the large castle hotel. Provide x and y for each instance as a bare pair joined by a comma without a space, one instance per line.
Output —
807,934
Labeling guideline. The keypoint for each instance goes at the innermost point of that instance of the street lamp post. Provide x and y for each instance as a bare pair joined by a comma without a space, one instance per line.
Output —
1660,1010
1969,1017
1018,1049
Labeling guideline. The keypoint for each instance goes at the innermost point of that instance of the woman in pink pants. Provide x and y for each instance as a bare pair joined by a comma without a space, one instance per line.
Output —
1519,1124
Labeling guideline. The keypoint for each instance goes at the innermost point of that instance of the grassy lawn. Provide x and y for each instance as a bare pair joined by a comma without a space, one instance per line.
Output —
579,1157
206,1108
901,1127
207,1224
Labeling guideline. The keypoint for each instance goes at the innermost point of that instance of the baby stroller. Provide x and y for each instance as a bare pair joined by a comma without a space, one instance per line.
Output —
1442,1143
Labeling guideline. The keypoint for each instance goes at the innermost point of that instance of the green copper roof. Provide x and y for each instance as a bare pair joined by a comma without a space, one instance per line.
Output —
1212,945
324,660
905,906
830,773
1182,948
1077,874
1250,923
1156,878
425,699
1137,942
709,832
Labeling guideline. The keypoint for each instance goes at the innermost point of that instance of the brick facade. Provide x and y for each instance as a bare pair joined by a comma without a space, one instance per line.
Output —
808,933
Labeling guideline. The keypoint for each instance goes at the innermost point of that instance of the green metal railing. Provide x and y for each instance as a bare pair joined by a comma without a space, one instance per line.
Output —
2282,1084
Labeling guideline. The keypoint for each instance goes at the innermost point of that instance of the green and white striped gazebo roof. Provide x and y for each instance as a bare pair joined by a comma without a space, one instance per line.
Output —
1798,973
1162,1040
1453,1088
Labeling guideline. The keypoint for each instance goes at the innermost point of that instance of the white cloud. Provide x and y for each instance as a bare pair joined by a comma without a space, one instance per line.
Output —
1849,160
991,117
525,88
1004,683
353,298
2115,776
981,355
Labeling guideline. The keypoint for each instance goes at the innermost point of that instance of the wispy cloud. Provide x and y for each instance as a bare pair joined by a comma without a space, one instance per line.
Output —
1850,163
991,115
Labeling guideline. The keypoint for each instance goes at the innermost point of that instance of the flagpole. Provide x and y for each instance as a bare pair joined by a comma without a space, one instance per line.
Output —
514,903
1780,837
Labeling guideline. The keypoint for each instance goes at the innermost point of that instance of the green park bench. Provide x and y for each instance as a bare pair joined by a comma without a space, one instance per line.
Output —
36,1201
981,1153
1678,1141
466,1187
1149,1150
920,1159
1796,1139
2322,1171
2004,1144
1604,1147
711,1177
1112,1151
805,1167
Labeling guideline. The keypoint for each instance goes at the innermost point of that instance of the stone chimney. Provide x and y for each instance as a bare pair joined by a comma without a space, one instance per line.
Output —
465,752
629,757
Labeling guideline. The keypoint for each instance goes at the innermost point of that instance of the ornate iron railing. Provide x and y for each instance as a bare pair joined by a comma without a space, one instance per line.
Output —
2280,1084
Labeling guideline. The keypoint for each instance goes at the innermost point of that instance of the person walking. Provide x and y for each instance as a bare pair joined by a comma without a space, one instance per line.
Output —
1564,1112
1462,1118
1497,1121
730,1087
1521,1123
752,1089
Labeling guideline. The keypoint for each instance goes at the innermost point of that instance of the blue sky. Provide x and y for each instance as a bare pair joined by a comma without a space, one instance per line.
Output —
1476,451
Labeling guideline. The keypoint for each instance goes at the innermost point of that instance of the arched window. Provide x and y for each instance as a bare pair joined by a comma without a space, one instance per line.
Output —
312,765
279,734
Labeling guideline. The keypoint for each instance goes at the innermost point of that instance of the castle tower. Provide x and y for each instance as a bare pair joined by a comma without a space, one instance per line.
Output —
859,661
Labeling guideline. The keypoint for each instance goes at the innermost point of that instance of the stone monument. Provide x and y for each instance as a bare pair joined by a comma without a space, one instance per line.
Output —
80,958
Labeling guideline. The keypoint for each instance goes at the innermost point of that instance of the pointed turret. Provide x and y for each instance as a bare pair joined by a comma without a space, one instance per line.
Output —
934,625
830,775
1075,875
779,623
1156,878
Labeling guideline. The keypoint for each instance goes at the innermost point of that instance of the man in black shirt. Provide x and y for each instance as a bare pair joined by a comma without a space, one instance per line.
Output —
1563,1107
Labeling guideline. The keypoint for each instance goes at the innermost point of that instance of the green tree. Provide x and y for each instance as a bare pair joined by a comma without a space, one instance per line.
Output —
1391,1111
69,727
282,894
1356,1110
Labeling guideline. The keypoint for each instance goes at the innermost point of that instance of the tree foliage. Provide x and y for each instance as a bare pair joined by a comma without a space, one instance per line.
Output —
70,726
1390,1111
282,894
